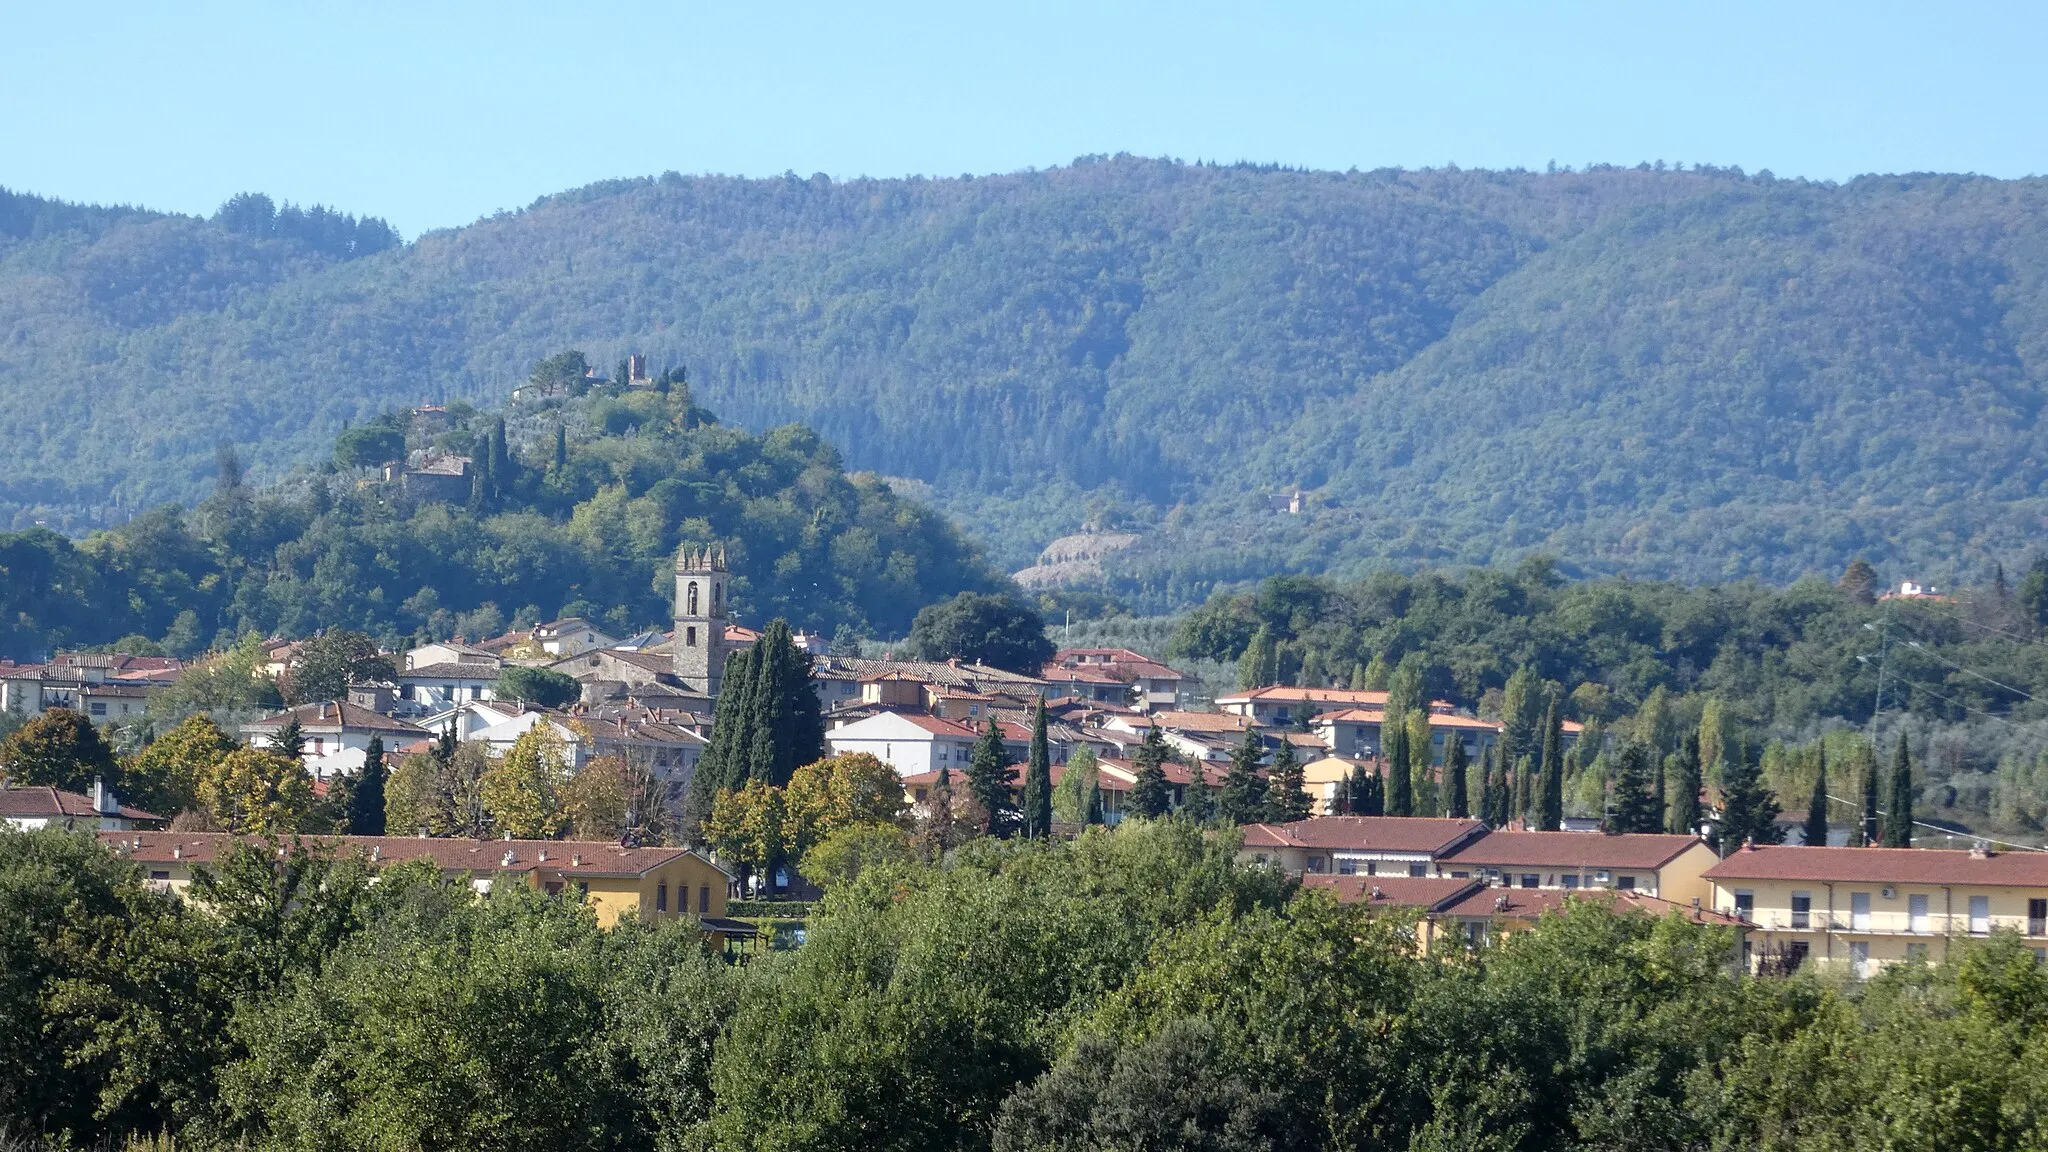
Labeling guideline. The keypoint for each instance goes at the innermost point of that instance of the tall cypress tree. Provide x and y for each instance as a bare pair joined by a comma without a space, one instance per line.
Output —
1456,806
1400,791
788,725
1898,821
1815,831
1287,797
1487,812
1659,790
1524,769
1243,799
1038,780
502,477
561,448
1869,829
1684,814
480,483
1552,814
727,757
1150,796
366,799
989,776
1748,809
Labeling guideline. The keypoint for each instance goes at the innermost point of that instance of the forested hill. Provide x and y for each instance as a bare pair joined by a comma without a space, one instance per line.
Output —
1698,373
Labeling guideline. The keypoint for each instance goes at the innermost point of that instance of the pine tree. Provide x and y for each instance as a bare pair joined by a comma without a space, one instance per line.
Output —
290,740
366,799
1519,715
1261,658
1633,809
1869,828
1749,812
1150,796
1456,805
1898,822
1551,816
989,776
1287,797
1816,828
1400,781
1243,798
1200,807
1038,780
1684,814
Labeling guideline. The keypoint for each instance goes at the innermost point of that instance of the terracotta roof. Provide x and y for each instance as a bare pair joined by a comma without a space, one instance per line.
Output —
341,714
1884,866
1573,849
1288,694
1200,721
1108,782
1429,893
1365,833
451,670
569,857
937,726
1099,674
45,802
1529,903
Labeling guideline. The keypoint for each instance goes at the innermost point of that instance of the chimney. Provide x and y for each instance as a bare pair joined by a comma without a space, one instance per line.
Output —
576,860
103,801
177,851
508,859
543,855
1377,894
376,852
323,709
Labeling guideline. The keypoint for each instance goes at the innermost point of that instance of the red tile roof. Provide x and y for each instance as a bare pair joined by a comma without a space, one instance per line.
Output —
1429,893
570,857
1366,834
1530,903
48,803
1884,866
1573,849
339,715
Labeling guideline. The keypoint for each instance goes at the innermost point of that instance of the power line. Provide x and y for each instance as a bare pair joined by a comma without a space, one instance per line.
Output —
1919,647
1857,807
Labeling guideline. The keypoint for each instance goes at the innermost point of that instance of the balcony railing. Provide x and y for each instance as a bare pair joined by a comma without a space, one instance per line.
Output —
1892,923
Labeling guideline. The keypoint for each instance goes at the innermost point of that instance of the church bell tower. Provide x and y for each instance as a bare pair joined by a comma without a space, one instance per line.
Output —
699,645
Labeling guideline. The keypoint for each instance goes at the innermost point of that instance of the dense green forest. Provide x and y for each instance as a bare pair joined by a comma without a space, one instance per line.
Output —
1774,670
576,506
1696,373
1133,989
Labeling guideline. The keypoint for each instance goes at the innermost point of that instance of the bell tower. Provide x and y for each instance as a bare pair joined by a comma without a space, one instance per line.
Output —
699,646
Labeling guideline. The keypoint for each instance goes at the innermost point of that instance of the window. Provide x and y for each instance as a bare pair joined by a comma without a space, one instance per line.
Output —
689,637
1795,955
99,708
661,898
1461,875
1745,904
1917,953
1625,882
1802,909
1980,915
1571,881
583,889
159,874
692,599
1315,864
1531,880
1347,867
1916,913
1859,911
704,899
2037,917
1418,869
1859,957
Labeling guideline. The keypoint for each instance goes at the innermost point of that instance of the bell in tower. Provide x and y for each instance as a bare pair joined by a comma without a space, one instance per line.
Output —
699,647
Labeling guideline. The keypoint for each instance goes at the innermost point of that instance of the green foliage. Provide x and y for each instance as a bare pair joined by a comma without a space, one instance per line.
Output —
59,748
1635,807
1001,631
990,779
767,722
1242,800
1036,802
369,446
543,686
1150,796
332,660
164,777
1898,816
1749,812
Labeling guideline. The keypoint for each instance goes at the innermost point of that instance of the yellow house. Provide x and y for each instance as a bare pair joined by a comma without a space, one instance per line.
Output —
1868,907
1459,912
1669,867
1324,781
618,882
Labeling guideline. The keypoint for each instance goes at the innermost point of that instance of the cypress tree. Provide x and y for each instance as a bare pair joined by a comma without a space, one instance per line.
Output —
1243,799
561,448
1487,812
1684,814
788,725
1038,780
1552,814
989,775
1150,797
1748,810
1815,830
480,483
366,799
445,746
1524,768
1287,797
1870,801
1659,790
1400,783
727,757
501,460
1898,822
1200,807
1633,808
1456,806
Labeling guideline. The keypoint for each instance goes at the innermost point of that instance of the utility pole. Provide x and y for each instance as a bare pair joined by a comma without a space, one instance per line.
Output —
1883,650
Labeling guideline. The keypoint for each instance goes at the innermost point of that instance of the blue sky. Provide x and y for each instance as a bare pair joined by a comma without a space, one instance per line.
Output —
432,114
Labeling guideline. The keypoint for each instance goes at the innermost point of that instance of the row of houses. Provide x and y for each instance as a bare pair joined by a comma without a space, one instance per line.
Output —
1854,908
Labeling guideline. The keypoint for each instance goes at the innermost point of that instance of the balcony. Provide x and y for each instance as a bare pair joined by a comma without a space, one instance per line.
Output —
1892,924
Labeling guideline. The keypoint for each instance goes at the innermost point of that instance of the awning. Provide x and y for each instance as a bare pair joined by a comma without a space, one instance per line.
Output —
738,929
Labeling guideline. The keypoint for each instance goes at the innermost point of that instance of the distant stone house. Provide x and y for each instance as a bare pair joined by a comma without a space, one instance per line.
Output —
436,478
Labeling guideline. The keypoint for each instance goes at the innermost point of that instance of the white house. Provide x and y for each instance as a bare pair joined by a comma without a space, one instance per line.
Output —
435,687
28,809
330,728
570,637
911,744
